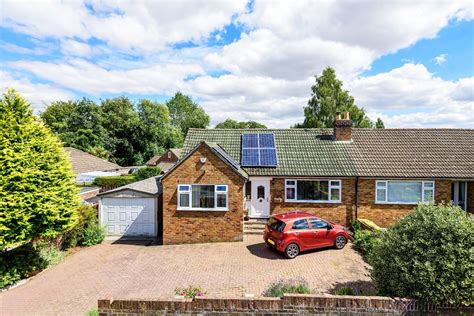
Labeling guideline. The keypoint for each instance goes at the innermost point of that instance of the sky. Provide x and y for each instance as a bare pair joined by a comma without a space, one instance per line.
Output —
408,62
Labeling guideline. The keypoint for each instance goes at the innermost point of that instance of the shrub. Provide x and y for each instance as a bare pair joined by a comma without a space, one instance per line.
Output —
147,172
93,234
190,291
26,260
427,255
344,291
277,289
365,240
87,232
92,312
116,181
38,197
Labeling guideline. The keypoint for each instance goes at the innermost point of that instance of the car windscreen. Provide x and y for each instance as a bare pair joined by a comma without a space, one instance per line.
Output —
276,224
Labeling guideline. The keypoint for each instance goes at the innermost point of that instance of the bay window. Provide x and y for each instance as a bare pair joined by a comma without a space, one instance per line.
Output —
207,197
404,191
322,191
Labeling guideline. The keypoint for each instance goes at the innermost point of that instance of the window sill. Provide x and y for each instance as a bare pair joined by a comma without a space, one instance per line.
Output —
203,209
311,201
401,203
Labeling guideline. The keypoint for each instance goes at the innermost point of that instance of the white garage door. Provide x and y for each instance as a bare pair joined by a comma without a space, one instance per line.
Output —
129,216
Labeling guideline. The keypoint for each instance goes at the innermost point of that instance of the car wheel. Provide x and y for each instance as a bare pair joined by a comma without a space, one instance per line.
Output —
340,242
292,250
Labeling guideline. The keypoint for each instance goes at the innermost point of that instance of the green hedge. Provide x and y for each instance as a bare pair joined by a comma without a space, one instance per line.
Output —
114,181
427,255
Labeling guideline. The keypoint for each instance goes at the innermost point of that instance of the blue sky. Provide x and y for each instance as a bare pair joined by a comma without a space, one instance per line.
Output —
410,64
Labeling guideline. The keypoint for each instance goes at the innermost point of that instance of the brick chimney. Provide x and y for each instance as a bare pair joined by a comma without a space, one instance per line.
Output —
342,127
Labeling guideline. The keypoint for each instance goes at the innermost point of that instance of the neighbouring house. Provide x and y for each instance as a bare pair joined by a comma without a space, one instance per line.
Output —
87,167
336,173
165,161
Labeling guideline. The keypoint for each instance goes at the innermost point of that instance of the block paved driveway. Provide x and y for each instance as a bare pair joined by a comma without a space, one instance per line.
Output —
137,271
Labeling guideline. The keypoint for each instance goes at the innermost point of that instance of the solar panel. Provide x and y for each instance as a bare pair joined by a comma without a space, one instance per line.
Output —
266,141
250,141
268,157
258,150
250,157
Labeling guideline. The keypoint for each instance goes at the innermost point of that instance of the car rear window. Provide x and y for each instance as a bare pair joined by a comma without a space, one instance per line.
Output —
276,224
300,224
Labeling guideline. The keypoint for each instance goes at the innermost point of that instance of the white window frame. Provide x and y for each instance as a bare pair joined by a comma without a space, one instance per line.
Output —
330,187
216,193
383,185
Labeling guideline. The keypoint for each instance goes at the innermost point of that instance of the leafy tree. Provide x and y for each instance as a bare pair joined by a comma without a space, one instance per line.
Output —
186,114
428,255
157,133
38,197
327,98
77,123
123,127
232,124
379,123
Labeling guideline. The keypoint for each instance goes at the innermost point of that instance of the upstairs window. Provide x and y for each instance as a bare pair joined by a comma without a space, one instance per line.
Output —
322,191
404,191
202,197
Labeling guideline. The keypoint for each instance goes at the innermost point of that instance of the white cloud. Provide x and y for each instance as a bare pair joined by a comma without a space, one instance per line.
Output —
421,98
84,76
75,48
38,94
440,59
132,26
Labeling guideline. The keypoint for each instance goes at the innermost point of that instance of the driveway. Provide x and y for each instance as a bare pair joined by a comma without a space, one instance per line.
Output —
137,271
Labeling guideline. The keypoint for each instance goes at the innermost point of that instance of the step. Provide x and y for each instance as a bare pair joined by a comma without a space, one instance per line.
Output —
253,232
252,224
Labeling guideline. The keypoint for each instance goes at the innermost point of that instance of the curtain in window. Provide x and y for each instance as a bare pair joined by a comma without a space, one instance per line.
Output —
404,191
203,196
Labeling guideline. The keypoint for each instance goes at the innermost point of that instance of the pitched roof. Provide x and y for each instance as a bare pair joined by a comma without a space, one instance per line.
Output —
410,153
164,166
151,186
218,151
84,162
153,160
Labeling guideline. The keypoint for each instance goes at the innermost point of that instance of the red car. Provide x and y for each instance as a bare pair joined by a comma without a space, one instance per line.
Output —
294,232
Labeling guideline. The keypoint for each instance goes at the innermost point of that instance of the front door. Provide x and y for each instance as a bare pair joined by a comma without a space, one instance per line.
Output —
260,205
458,193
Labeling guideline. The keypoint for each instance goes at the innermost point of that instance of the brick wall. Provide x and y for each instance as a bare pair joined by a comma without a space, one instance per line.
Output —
202,226
341,213
387,214
289,304
470,196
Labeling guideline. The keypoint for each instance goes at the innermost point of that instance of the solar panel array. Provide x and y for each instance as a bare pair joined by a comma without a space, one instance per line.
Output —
258,150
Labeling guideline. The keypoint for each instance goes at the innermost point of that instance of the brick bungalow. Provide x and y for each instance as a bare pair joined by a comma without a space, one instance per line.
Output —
338,174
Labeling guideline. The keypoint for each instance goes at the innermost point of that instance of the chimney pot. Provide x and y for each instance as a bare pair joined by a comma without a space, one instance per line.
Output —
345,115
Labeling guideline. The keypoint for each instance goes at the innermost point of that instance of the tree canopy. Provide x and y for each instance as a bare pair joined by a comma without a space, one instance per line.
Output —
186,114
329,97
125,132
232,124
38,197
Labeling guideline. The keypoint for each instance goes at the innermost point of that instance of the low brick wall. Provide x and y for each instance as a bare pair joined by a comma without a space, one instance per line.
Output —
290,304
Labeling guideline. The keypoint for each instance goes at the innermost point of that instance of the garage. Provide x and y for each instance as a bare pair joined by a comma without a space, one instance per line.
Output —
132,210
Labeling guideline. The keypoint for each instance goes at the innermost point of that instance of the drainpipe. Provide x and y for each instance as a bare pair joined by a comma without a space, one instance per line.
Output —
356,196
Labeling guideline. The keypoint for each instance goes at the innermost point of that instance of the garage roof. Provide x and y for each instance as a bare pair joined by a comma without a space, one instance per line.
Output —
151,186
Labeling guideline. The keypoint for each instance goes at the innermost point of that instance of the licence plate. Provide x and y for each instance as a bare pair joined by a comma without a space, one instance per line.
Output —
271,242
